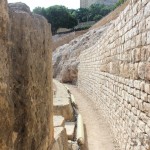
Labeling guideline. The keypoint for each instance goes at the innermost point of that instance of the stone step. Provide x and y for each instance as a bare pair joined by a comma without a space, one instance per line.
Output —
61,91
70,129
60,139
59,121
63,107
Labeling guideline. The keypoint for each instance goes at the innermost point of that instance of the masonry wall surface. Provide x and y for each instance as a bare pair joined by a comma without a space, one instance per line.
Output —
26,106
115,74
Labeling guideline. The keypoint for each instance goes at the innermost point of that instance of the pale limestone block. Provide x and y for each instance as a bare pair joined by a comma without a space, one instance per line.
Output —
144,38
148,37
139,40
141,70
144,118
147,71
142,85
148,98
144,2
142,25
137,84
148,23
146,108
147,88
141,125
144,96
140,105
137,54
147,10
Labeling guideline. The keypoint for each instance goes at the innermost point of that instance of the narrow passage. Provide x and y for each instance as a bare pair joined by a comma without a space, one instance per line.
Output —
98,135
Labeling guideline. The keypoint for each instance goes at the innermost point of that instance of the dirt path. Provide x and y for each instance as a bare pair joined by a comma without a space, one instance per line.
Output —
97,130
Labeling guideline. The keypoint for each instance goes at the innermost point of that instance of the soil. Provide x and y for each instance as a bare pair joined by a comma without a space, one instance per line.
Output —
97,131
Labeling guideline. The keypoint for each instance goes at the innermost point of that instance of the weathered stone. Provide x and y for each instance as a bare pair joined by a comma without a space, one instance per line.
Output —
66,57
114,68
147,71
147,88
25,85
19,7
62,104
61,91
6,105
146,108
60,139
141,70
59,121
62,107
72,145
70,129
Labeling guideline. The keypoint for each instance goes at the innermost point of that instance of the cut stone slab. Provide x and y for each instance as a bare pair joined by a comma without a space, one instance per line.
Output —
70,129
61,91
62,107
60,139
59,121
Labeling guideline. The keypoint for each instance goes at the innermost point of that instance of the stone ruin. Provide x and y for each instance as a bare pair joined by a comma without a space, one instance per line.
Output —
26,106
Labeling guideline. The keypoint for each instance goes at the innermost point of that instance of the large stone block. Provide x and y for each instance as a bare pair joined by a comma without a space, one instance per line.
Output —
63,107
60,139
141,70
6,105
31,73
147,71
26,106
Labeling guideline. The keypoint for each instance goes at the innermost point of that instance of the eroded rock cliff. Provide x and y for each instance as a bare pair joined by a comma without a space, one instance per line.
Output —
66,57
6,104
26,106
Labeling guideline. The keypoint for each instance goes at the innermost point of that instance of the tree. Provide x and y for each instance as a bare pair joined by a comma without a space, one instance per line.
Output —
81,14
97,17
40,11
58,16
119,3
98,11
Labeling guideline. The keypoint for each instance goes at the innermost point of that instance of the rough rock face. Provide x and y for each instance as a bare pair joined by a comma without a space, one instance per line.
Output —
26,108
60,139
66,57
6,105
61,104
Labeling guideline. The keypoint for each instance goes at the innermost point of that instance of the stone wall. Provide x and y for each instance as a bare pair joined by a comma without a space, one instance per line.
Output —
115,74
26,106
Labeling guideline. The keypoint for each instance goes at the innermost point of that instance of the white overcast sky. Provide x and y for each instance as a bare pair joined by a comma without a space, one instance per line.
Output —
46,3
